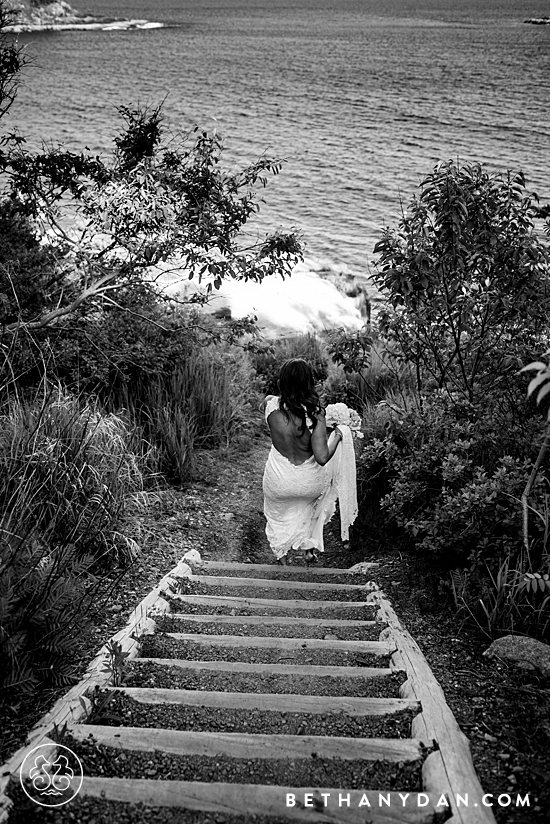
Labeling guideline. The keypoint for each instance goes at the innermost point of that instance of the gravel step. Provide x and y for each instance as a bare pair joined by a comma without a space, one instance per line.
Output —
289,573
274,583
115,708
242,745
231,605
270,702
254,799
242,667
269,642
166,645
278,571
278,584
116,761
277,620
280,678
276,627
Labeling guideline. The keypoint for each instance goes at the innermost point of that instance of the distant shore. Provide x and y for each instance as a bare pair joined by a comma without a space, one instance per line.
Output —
60,16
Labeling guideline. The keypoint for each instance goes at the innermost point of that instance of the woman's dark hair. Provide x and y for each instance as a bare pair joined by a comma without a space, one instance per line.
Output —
297,390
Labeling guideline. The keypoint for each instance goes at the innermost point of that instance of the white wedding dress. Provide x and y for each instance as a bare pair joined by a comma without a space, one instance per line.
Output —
299,500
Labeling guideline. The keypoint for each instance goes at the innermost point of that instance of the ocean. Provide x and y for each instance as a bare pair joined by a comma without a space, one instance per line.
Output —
360,98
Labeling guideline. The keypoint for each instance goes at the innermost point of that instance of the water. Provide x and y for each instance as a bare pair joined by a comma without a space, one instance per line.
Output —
361,97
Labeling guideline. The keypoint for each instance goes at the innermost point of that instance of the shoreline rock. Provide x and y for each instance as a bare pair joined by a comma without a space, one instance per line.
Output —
60,16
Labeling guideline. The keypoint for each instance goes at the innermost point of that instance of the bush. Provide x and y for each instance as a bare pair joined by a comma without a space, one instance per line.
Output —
466,279
450,476
68,478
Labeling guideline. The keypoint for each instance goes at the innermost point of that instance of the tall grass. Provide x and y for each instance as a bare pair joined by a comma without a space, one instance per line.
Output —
268,362
204,402
383,378
67,479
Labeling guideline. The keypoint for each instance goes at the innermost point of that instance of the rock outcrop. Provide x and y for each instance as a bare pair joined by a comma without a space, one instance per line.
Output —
33,15
38,15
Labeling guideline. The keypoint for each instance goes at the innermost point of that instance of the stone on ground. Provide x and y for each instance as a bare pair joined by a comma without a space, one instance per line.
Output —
526,652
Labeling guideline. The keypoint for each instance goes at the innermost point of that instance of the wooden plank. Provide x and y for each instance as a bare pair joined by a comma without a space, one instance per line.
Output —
272,669
267,603
262,800
276,570
246,745
454,772
276,620
274,702
286,644
270,583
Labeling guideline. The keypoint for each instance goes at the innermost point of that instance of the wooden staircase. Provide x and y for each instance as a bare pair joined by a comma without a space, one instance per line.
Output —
287,627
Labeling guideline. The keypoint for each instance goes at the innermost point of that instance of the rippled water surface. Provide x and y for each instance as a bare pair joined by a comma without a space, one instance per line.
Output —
361,97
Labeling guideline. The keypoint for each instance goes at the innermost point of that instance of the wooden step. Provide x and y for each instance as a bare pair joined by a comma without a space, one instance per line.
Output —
271,669
274,702
274,620
270,583
261,800
287,644
277,570
246,745
268,603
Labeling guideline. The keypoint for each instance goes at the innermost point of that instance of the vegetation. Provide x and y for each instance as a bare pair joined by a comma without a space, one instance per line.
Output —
69,481
106,385
459,470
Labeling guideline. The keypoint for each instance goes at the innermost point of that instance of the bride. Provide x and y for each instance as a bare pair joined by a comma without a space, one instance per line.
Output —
298,481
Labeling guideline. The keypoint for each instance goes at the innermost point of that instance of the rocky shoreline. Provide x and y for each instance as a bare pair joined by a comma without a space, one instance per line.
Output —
60,16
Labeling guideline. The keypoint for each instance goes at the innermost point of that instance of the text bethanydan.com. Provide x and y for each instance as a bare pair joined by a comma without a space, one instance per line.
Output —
317,800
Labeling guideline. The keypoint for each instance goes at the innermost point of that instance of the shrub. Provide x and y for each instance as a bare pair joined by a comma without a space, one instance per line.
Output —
450,475
67,480
466,279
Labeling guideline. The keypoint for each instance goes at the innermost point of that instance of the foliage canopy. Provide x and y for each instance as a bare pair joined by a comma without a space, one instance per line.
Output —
467,278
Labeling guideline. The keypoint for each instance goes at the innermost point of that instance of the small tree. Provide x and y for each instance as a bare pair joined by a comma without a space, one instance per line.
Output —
159,206
159,203
466,278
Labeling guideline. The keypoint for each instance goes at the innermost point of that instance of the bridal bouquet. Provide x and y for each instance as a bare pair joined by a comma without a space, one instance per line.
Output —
340,413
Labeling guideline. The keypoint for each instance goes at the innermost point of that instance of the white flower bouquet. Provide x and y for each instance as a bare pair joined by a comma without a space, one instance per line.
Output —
337,413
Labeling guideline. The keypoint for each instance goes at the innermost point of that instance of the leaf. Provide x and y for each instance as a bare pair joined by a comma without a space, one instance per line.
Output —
538,365
536,382
543,392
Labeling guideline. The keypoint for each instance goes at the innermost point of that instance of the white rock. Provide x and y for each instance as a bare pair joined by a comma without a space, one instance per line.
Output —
360,568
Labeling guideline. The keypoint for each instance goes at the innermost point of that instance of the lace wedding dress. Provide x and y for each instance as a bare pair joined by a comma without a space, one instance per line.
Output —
300,499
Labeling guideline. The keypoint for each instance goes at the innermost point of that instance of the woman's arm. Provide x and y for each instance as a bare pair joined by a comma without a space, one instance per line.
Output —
323,446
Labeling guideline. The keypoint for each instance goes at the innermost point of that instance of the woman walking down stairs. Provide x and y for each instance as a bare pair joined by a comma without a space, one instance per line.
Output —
256,693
